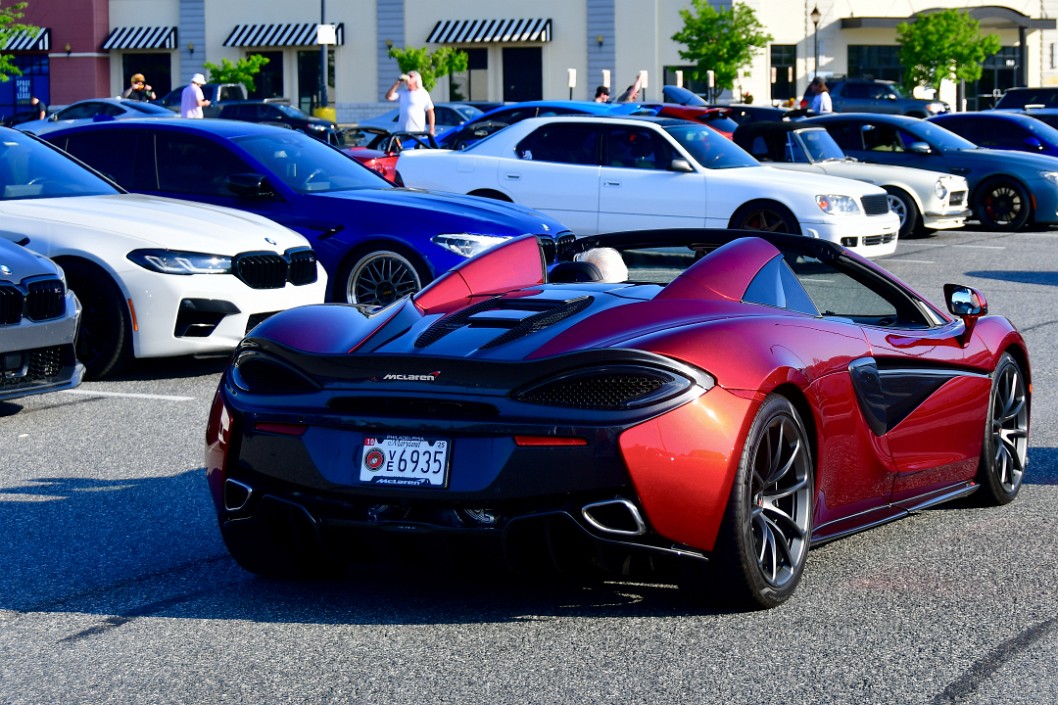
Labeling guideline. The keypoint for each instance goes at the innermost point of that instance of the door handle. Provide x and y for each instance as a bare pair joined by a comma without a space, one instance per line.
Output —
512,177
611,183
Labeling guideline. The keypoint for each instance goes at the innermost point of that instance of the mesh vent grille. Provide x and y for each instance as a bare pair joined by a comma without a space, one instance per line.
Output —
602,389
876,204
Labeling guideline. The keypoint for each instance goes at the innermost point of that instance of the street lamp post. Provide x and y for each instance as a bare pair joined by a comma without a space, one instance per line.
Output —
815,40
323,58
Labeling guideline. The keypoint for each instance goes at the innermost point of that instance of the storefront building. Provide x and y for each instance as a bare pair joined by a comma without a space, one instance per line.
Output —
553,49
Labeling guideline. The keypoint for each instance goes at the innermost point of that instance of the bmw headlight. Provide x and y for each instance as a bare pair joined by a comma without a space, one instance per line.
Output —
467,245
838,205
1051,176
177,262
941,189
318,128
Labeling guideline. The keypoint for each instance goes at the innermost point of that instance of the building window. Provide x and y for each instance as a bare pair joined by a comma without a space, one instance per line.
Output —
879,62
783,73
691,83
472,84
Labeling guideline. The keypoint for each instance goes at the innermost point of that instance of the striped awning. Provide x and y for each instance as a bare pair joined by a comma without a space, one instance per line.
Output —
490,31
279,35
39,40
141,38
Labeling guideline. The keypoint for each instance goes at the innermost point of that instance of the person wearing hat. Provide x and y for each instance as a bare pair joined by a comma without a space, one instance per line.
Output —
602,94
139,90
192,99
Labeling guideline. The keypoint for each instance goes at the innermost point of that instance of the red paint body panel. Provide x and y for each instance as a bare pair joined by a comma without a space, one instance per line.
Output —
682,465
510,265
726,272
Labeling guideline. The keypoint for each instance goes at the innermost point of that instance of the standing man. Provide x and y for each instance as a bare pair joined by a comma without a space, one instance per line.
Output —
416,107
192,100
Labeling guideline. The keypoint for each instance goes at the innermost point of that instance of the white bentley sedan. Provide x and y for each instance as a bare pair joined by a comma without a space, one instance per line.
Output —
155,276
611,174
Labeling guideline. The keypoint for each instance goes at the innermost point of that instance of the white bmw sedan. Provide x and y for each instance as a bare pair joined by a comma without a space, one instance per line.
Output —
602,174
155,276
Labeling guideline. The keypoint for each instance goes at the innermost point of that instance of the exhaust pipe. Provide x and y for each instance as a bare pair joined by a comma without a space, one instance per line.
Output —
615,516
236,494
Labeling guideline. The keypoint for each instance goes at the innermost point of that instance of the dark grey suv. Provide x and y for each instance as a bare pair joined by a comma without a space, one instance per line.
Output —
861,95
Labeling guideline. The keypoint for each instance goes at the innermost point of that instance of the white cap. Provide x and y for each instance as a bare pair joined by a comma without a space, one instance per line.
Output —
199,79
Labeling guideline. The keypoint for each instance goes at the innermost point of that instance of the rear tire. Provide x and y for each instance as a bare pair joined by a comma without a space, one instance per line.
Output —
281,543
763,542
1005,449
104,340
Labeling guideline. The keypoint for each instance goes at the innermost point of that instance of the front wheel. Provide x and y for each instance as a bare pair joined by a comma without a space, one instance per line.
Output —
104,340
1002,205
771,217
378,278
763,542
901,203
1005,449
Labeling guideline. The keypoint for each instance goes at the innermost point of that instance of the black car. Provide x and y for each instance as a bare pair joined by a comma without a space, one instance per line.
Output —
285,116
1040,97
872,96
1008,190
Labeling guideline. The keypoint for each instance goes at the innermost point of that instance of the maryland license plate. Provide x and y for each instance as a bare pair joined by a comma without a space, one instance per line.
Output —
405,460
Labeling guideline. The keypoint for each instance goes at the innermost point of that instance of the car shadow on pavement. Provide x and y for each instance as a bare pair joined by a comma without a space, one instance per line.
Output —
1021,277
125,549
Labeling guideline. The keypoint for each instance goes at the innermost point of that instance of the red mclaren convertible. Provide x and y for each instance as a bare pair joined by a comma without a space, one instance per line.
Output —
710,403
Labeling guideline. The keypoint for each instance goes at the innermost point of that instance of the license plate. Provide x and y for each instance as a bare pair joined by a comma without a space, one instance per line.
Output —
405,460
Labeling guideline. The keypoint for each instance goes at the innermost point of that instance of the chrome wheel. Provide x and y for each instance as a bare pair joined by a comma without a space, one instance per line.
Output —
1005,451
380,278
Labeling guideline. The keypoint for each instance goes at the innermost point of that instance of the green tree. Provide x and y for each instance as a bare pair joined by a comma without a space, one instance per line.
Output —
242,71
943,45
430,65
722,41
9,27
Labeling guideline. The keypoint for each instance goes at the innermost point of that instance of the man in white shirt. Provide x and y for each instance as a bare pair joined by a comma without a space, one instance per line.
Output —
192,99
416,107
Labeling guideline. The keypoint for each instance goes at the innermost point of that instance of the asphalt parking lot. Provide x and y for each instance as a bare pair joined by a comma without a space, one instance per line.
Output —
115,586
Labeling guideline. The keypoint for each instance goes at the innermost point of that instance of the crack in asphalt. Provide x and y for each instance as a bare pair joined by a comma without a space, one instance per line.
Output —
132,613
966,684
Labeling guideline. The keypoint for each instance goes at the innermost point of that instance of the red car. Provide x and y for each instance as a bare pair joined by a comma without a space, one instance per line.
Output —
714,117
705,404
378,149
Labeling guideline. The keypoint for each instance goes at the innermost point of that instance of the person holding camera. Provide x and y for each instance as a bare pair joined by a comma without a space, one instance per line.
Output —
416,107
139,90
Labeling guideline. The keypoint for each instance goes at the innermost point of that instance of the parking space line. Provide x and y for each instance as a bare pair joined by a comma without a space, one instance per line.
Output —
130,395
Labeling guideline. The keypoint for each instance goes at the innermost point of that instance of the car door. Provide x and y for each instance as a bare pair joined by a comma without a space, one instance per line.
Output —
924,405
555,170
638,188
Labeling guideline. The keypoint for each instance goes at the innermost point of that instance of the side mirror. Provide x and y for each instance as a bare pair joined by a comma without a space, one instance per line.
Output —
679,164
966,303
1034,144
249,185
920,148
